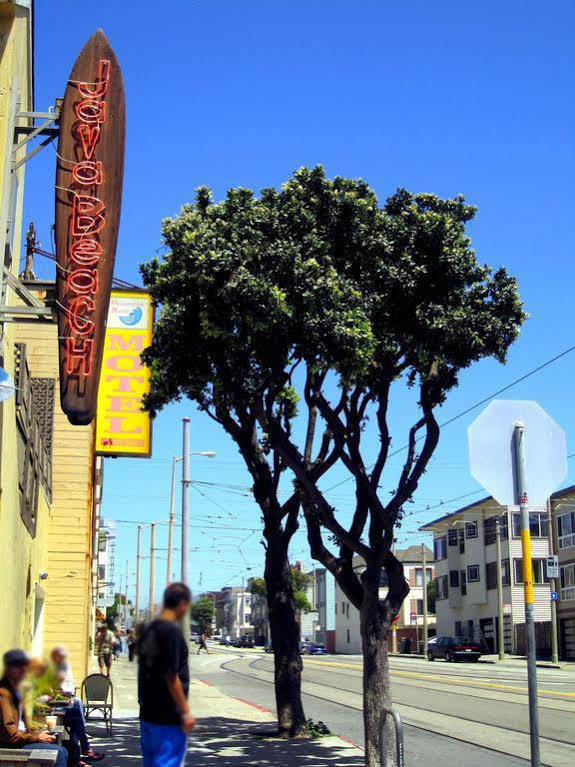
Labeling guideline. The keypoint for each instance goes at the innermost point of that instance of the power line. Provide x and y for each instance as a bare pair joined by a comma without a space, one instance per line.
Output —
472,407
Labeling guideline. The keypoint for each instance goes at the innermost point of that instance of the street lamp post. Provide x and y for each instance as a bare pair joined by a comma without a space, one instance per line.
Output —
185,503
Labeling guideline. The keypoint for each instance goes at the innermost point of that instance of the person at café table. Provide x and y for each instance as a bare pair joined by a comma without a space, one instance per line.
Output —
59,681
14,728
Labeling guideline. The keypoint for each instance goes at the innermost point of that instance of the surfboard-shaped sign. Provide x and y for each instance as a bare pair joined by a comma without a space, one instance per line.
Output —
89,176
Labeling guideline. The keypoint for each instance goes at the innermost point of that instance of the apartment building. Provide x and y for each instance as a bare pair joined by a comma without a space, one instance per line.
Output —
325,602
563,509
410,618
466,572
237,611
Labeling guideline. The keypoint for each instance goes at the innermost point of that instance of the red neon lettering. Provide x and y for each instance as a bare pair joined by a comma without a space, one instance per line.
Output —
124,383
85,252
77,311
79,350
88,172
98,89
132,363
91,112
89,137
87,215
83,281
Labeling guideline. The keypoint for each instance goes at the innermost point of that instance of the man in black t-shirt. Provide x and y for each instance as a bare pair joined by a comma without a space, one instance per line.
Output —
163,683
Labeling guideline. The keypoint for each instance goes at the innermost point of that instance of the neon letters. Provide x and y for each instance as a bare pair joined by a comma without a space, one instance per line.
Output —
87,221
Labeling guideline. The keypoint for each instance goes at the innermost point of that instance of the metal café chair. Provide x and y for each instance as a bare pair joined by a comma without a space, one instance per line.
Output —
98,695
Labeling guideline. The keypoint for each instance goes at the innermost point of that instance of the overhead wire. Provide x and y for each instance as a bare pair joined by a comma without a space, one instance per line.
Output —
469,409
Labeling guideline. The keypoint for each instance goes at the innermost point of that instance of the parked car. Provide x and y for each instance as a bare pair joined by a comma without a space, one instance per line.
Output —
246,640
317,648
453,649
195,638
269,646
225,641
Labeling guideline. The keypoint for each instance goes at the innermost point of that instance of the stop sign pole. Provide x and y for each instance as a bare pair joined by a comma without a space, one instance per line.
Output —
519,454
523,501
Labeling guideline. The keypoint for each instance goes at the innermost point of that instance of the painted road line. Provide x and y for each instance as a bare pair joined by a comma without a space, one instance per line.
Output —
447,680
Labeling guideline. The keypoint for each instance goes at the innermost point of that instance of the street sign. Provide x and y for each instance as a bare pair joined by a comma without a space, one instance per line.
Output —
491,452
413,616
554,596
553,566
507,609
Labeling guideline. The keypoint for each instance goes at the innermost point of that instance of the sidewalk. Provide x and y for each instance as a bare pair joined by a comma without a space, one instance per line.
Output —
224,734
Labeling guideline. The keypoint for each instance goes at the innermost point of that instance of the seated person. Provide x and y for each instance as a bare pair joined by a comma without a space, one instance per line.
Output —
62,683
14,729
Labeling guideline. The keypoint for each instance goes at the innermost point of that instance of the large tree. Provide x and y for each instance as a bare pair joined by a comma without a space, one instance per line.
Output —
317,297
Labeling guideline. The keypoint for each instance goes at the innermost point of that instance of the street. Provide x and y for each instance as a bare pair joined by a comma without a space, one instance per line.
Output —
453,712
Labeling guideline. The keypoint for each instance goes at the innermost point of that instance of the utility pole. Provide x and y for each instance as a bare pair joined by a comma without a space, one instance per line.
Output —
171,523
553,587
523,501
424,567
186,501
137,606
126,613
500,625
152,551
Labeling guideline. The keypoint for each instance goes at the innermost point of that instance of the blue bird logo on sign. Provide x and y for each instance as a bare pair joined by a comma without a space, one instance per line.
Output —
133,318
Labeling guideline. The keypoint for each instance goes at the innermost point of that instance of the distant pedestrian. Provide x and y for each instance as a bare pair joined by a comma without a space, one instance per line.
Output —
117,646
131,640
163,683
104,647
203,644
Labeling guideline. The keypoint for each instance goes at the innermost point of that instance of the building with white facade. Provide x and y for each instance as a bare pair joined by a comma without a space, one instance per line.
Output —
237,611
466,572
325,602
410,617
563,509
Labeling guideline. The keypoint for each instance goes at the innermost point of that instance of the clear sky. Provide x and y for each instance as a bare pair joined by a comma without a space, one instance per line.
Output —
450,97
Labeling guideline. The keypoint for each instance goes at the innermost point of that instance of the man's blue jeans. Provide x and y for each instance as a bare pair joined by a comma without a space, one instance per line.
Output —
62,759
74,720
163,745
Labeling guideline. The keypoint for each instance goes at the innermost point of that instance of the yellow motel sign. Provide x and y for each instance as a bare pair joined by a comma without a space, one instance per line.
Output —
122,429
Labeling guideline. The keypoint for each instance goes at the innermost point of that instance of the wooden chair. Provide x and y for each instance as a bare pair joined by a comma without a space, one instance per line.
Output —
16,757
98,695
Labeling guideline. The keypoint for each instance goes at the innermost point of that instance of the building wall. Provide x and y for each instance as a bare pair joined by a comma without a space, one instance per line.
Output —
476,612
23,556
347,622
565,605
68,618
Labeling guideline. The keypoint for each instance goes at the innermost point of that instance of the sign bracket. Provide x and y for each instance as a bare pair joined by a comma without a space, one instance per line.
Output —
48,129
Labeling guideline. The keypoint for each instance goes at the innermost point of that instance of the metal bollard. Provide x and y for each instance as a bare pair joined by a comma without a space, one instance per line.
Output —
398,727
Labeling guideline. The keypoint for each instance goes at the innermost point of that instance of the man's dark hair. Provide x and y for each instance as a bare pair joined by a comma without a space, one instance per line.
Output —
176,593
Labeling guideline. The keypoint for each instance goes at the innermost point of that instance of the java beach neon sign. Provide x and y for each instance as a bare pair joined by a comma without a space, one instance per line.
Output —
89,176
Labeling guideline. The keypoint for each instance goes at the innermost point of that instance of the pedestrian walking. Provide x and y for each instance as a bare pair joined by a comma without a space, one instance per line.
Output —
203,644
131,640
163,683
104,647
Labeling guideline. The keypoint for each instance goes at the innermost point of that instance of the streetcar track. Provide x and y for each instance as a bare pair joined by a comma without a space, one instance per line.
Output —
550,739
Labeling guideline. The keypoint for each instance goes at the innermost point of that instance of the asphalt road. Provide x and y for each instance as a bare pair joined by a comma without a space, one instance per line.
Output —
467,714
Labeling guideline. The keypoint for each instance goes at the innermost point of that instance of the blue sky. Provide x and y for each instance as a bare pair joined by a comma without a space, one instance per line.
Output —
437,97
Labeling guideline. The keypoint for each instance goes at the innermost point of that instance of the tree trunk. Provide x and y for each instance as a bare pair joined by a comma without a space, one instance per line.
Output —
285,641
376,682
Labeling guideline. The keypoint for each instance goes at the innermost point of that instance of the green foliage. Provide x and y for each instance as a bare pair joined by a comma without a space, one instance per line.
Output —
318,729
203,611
319,272
431,595
258,587
302,604
300,580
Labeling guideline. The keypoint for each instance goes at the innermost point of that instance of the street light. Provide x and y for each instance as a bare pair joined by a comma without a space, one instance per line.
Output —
175,461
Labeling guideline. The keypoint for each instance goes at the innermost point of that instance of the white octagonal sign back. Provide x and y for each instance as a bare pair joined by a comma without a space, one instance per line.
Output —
491,451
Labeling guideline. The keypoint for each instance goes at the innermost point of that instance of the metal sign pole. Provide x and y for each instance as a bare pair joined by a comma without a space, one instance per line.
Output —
519,440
